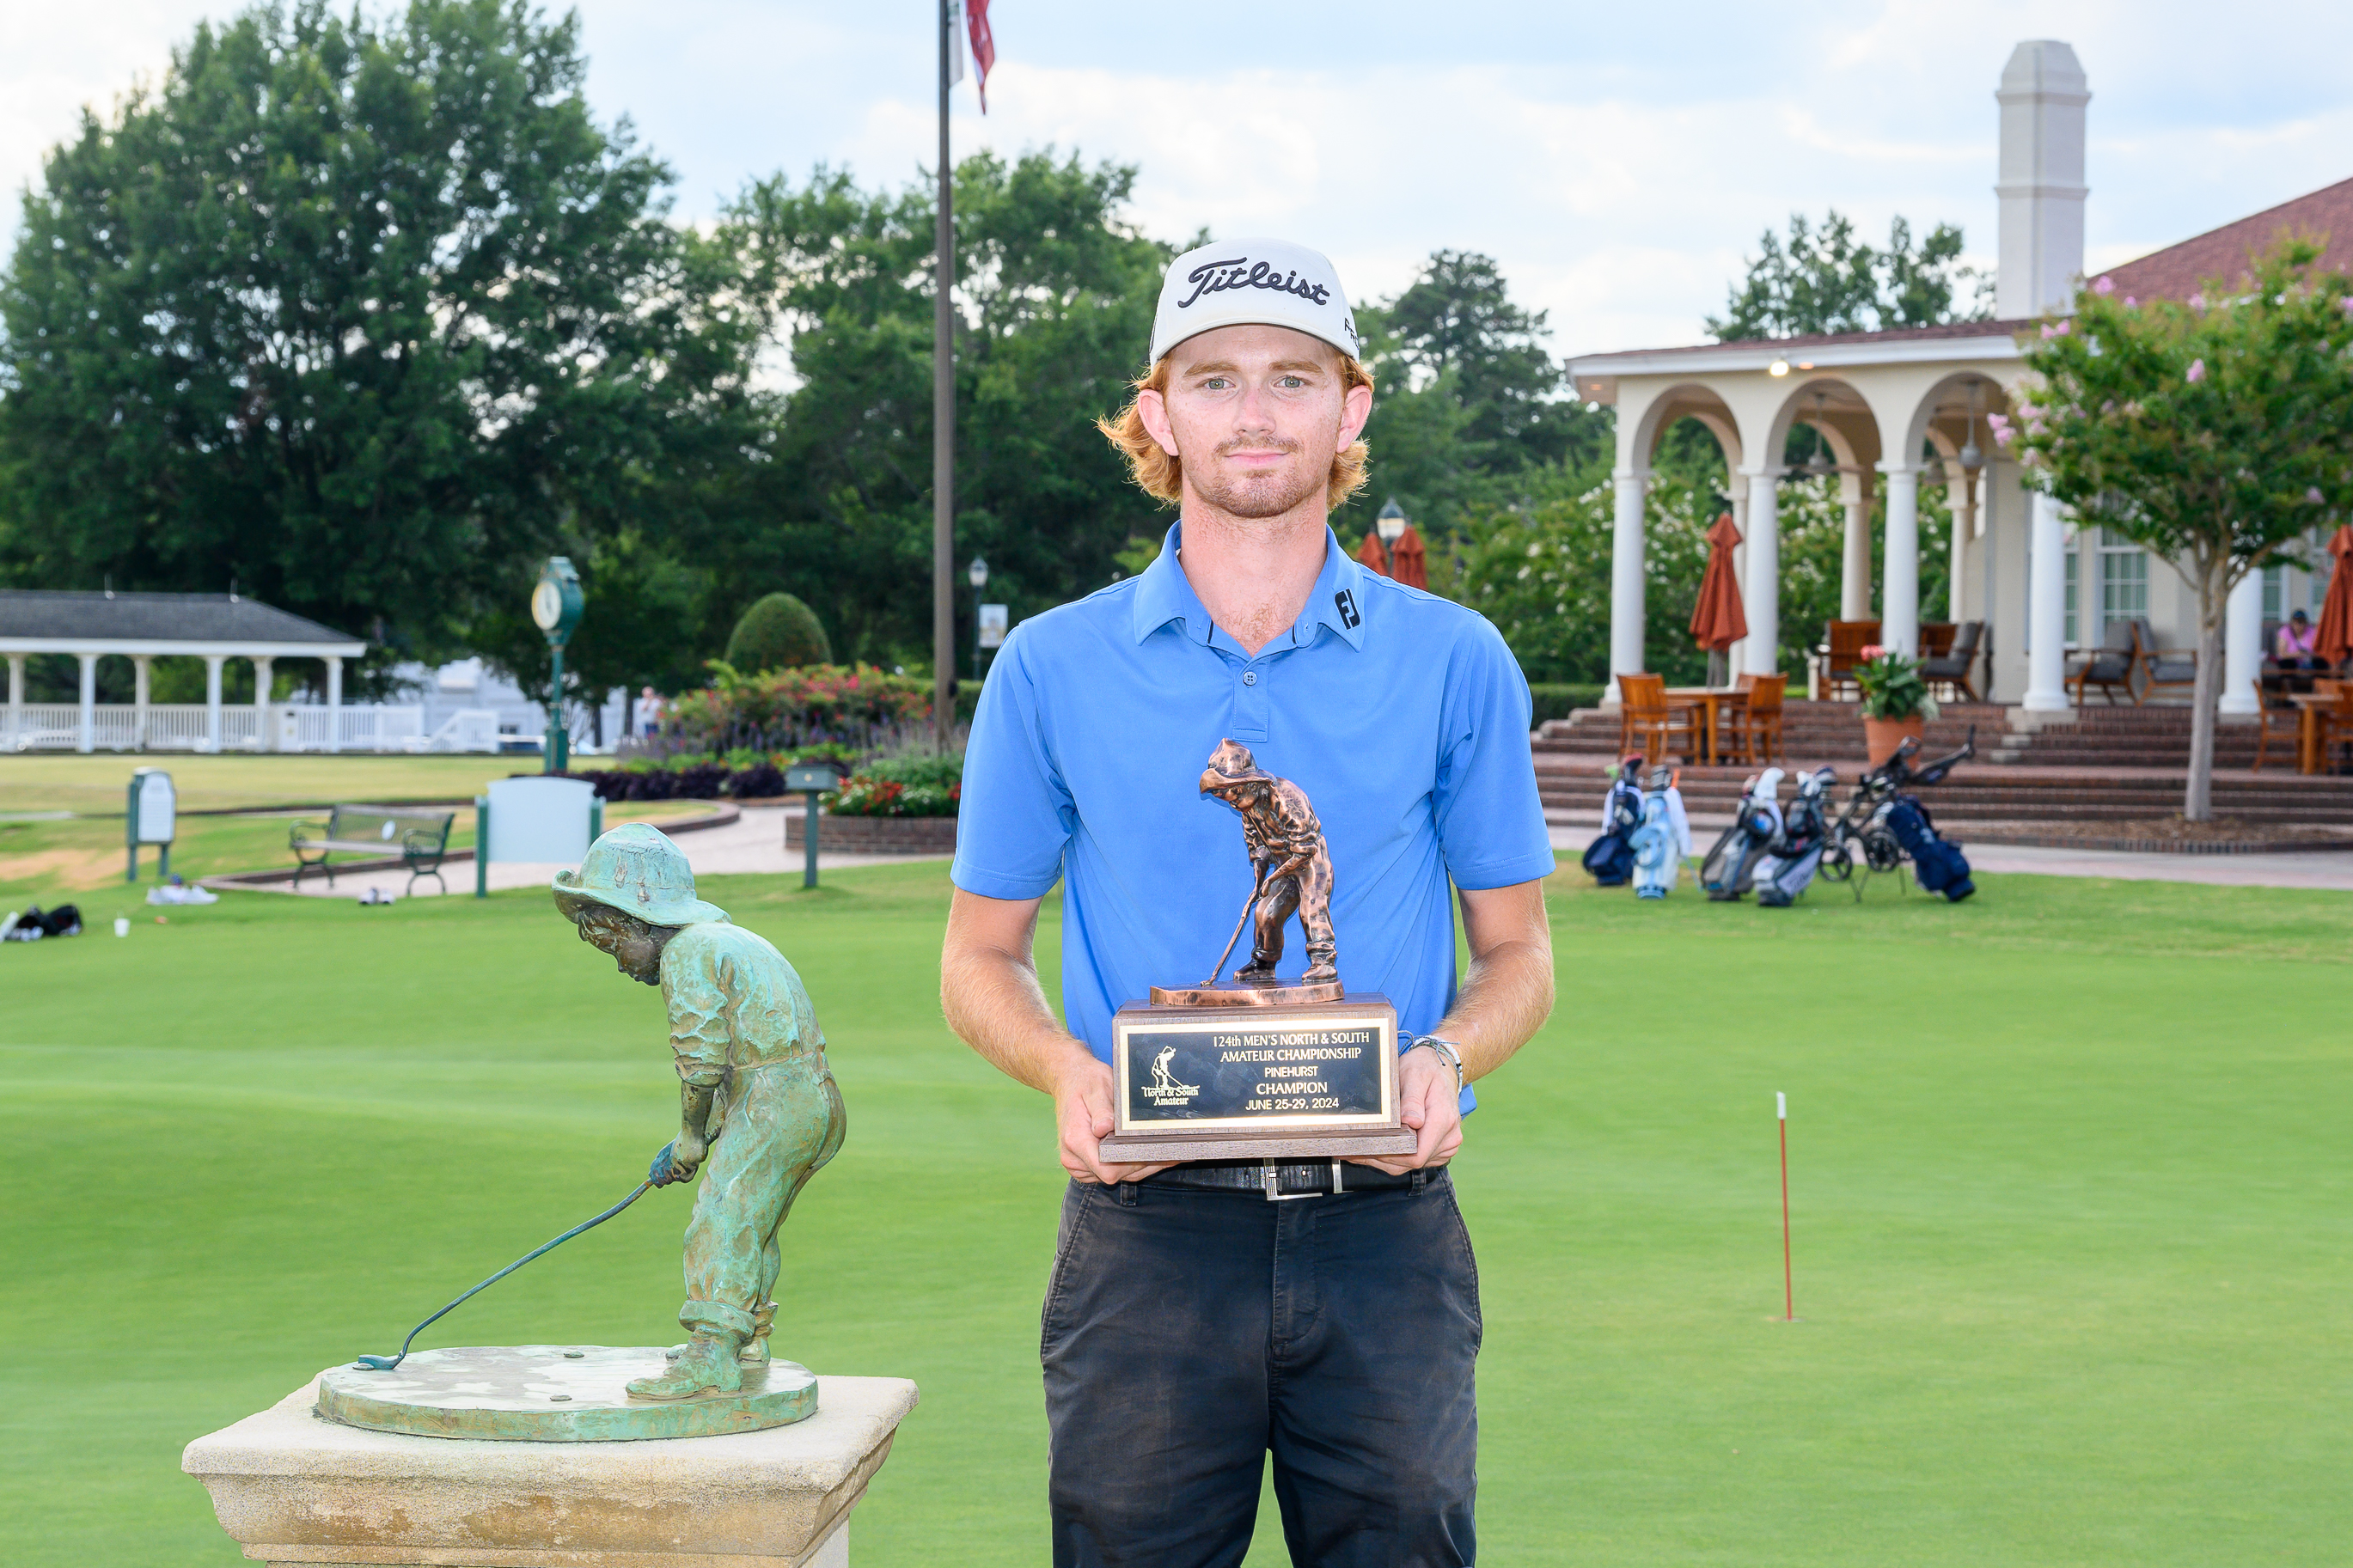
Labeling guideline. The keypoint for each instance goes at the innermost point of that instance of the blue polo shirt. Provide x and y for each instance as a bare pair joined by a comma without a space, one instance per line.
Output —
1403,716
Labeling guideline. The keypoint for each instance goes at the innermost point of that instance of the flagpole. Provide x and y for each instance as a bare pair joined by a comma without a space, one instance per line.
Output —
1789,1276
943,646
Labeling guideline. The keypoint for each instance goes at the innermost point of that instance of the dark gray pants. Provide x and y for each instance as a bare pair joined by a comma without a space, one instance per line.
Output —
1189,1333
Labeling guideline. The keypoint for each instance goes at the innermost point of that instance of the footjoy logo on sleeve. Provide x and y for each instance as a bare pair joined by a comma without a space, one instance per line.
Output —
1241,272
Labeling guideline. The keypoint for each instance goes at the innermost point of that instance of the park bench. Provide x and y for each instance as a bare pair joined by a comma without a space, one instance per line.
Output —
420,835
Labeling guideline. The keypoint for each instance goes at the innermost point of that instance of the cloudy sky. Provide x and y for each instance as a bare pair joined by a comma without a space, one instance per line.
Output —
1617,159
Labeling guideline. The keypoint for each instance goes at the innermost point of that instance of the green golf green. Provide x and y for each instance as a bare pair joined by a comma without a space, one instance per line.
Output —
2073,1215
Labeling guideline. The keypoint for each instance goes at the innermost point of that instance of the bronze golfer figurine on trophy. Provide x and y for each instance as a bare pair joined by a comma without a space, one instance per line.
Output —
1262,1067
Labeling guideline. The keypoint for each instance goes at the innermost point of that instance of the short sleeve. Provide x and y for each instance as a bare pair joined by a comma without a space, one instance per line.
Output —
1491,826
700,1025
1015,817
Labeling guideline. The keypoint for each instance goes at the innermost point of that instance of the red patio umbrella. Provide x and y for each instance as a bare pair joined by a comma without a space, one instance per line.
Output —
1373,553
1412,561
2334,639
1718,621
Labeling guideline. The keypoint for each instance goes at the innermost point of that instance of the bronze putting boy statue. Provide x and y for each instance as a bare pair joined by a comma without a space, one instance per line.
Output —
758,1103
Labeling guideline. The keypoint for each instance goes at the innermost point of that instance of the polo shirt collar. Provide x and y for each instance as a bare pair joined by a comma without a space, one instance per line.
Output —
1337,600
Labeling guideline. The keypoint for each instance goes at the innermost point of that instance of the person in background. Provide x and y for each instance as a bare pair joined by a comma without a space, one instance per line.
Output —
649,711
2293,648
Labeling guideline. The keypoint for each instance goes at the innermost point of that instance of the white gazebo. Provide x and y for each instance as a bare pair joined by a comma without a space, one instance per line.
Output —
1900,409
215,627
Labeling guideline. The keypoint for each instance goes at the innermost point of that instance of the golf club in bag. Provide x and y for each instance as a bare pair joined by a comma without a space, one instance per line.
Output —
1731,867
1611,858
1787,868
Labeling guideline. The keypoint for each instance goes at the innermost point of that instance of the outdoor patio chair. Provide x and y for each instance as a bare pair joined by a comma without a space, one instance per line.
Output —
1937,638
1950,668
2110,666
1754,726
1642,712
2161,667
1841,650
2275,715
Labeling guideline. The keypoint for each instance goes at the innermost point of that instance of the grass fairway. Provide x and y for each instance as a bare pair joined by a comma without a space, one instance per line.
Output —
2068,1166
94,785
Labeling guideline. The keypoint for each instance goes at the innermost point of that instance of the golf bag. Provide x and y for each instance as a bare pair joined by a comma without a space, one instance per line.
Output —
35,923
1787,868
1611,858
1731,867
1937,866
1664,839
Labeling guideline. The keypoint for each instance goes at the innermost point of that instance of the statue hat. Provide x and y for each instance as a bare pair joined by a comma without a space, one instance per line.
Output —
635,868
1232,764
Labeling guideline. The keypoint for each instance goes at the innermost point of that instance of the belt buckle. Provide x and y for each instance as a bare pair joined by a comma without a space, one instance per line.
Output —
1276,1194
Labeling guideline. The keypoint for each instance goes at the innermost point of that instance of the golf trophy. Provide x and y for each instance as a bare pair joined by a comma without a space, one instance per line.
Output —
1260,1067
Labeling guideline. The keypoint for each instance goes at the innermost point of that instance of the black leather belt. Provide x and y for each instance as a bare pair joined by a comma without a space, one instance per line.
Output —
1279,1179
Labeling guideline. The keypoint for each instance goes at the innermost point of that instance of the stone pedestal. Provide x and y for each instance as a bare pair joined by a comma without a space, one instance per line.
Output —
296,1490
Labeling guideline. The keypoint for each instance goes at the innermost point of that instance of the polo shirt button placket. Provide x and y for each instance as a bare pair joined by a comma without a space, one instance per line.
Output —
1249,709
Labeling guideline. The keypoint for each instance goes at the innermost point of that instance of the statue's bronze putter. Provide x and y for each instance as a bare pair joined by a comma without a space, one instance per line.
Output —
1260,1067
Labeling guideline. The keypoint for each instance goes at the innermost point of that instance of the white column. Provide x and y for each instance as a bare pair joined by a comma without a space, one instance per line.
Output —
1855,560
139,668
1739,651
1626,607
1961,499
1762,656
212,662
16,699
89,741
264,671
334,703
1899,593
2242,645
2046,609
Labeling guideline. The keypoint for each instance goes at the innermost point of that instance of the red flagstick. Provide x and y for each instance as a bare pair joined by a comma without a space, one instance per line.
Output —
1788,1279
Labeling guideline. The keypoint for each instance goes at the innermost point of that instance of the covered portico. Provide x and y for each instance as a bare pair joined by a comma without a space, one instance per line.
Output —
142,627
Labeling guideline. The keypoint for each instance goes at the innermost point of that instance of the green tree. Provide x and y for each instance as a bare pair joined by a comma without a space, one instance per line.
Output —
356,312
2211,433
1054,309
1469,403
1827,280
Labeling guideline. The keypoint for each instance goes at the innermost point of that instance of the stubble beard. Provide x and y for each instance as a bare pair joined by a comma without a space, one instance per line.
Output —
1258,495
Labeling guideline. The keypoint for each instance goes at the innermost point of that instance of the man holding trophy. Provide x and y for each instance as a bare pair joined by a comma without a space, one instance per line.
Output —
1260,1250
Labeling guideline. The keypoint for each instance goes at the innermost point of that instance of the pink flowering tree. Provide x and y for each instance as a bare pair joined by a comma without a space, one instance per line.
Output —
2210,433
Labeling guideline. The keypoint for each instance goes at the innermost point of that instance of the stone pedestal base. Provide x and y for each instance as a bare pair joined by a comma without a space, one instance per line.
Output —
296,1490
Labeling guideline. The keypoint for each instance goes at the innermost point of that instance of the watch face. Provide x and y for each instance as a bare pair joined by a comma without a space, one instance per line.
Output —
546,605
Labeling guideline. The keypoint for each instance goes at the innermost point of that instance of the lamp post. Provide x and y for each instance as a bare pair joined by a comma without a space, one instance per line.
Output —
555,606
1390,524
977,576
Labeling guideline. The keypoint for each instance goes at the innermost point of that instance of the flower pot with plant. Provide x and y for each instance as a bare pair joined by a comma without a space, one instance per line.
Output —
1896,702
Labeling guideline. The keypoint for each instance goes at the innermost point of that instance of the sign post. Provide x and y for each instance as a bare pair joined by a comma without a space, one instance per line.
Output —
150,818
555,606
812,783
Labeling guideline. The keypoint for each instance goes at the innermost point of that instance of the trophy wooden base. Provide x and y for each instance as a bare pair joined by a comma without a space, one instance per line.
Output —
1256,1080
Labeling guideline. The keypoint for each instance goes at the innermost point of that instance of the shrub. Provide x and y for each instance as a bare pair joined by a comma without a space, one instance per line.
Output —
778,632
857,707
1559,700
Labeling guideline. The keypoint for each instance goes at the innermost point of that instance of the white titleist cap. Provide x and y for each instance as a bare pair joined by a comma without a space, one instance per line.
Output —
1252,282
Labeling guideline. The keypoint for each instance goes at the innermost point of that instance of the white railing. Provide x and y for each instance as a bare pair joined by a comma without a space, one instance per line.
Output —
186,727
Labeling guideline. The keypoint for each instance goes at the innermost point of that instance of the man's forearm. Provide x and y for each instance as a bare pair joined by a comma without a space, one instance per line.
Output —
694,1110
990,994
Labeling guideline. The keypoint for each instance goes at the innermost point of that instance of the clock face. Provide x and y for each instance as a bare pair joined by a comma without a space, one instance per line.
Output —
547,605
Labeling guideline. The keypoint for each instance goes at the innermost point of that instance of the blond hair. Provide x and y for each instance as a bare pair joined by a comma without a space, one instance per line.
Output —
1161,477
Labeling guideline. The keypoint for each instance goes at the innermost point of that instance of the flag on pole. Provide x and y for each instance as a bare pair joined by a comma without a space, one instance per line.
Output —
984,44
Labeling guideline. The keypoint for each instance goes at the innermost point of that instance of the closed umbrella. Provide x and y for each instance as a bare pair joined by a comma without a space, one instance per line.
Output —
2334,639
1718,621
1373,553
1412,561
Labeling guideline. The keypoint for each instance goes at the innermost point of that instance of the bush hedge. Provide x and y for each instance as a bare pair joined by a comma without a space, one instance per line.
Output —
1559,700
777,632
898,786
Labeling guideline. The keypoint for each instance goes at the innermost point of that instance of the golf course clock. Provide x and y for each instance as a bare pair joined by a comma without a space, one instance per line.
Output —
555,606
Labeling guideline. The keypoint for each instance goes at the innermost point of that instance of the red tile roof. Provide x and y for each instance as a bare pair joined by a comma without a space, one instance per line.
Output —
2176,272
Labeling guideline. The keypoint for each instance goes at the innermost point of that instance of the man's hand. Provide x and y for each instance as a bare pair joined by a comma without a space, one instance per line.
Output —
1428,1104
1084,1118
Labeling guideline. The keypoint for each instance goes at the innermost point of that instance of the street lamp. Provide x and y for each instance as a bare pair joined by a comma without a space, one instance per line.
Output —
977,576
555,604
1389,523
978,573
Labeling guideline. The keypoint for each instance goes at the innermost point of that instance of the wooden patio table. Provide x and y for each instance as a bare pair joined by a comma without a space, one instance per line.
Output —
2310,756
1711,702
